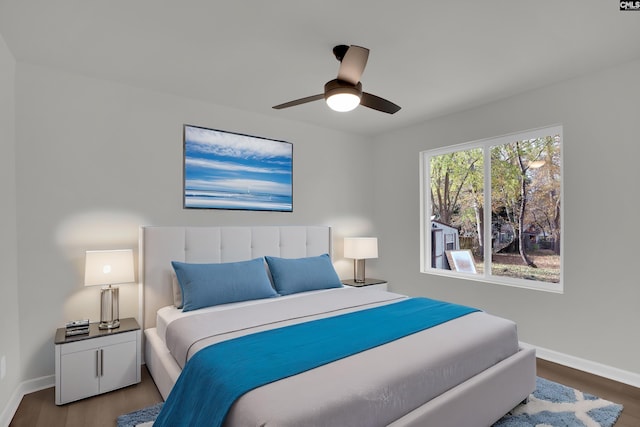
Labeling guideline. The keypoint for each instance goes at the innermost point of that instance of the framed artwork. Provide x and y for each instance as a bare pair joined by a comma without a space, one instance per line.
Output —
462,261
226,170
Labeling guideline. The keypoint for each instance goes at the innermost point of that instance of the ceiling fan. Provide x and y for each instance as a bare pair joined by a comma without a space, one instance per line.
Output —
345,93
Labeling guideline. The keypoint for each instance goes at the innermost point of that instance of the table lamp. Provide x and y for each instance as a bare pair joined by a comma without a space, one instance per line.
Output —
360,248
109,268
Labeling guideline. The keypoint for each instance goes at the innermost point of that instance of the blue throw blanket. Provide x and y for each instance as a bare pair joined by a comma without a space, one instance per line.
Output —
217,375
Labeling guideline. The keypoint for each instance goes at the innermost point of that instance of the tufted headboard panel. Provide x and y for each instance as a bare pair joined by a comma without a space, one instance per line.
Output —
160,245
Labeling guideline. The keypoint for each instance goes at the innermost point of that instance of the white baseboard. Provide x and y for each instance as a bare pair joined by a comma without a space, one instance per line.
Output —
595,368
23,388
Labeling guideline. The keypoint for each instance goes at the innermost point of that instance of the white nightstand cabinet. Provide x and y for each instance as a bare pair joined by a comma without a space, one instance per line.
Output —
98,362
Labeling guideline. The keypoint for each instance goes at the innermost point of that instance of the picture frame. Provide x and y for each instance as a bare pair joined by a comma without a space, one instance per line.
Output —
228,170
462,261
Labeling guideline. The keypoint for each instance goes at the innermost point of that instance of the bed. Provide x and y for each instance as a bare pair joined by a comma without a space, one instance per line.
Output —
469,371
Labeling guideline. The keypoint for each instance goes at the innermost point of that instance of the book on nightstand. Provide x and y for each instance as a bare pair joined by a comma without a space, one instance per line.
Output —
77,327
76,331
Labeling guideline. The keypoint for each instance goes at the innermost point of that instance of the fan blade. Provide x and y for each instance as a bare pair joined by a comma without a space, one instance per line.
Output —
299,101
378,103
353,63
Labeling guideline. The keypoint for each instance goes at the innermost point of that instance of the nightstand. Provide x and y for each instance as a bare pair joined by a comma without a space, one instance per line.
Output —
369,284
98,362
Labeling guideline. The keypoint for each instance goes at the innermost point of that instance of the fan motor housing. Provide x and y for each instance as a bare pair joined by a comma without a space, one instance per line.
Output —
335,86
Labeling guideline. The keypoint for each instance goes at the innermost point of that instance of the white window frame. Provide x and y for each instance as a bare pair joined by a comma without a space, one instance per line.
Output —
426,209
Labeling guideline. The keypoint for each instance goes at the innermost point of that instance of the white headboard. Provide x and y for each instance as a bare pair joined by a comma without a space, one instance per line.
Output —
161,245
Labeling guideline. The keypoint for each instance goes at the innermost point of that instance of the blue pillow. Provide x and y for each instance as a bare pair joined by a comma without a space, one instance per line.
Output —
206,285
291,276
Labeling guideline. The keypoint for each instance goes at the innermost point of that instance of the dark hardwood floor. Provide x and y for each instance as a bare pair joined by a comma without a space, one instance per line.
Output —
624,394
39,410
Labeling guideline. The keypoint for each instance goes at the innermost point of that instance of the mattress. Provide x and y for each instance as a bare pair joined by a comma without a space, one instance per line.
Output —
371,388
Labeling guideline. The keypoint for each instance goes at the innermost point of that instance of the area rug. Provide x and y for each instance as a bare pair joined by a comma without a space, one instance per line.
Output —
555,405
550,405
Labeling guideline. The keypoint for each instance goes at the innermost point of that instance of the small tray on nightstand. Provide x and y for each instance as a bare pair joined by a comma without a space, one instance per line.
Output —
367,282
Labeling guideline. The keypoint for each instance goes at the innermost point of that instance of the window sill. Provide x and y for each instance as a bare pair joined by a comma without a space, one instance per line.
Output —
556,288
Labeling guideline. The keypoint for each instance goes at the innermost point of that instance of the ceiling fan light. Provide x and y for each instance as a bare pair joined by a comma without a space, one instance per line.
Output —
343,102
342,96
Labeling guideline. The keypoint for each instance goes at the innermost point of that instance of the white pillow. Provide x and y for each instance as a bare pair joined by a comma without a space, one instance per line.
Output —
177,292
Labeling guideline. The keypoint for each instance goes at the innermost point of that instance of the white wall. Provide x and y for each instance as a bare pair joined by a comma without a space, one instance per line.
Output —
9,335
95,160
597,317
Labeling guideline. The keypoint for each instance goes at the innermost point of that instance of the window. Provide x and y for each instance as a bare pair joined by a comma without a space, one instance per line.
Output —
499,200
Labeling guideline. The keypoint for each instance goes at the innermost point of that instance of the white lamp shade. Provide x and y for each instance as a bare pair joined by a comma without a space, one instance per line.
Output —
361,247
109,267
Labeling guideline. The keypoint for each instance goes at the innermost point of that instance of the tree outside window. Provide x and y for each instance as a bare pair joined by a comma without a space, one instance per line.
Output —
501,199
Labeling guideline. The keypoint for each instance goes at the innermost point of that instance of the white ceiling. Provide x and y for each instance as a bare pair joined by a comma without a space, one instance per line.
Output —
430,57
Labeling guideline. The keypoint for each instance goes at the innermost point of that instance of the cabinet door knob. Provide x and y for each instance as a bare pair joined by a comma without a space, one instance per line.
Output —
101,362
97,364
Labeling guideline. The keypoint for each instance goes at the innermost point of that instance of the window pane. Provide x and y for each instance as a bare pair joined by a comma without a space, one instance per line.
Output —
525,209
493,208
456,187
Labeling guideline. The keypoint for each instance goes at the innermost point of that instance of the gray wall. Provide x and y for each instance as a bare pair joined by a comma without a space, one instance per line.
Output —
9,335
84,162
597,317
95,160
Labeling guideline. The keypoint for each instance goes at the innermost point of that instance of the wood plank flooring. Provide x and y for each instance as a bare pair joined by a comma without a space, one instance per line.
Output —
39,409
626,395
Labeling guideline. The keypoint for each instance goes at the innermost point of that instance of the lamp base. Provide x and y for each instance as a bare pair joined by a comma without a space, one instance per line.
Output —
358,270
109,316
109,325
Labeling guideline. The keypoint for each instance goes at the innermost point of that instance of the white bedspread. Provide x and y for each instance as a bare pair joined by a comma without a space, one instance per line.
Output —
168,314
185,336
367,389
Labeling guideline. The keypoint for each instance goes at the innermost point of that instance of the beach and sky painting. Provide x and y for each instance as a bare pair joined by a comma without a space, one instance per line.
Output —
224,170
